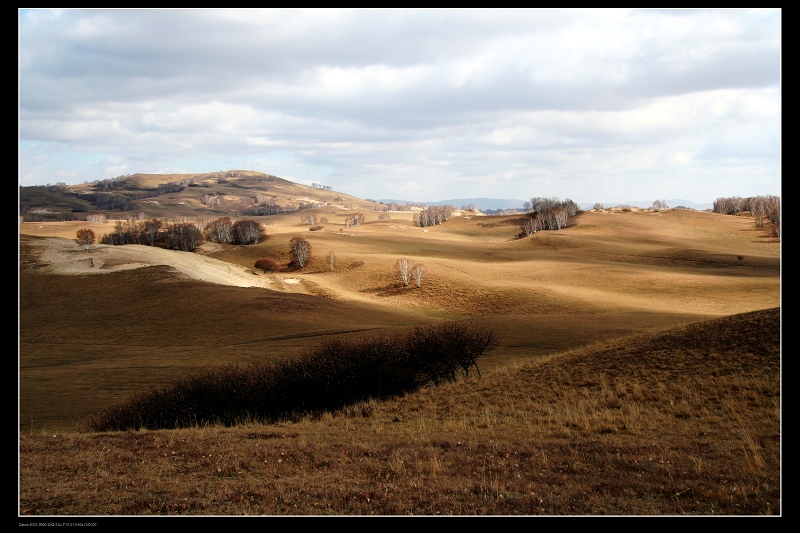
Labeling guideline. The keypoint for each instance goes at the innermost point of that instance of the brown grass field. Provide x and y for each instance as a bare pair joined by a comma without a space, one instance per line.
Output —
638,369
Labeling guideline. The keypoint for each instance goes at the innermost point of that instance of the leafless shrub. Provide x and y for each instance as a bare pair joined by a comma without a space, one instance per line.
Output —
418,272
404,267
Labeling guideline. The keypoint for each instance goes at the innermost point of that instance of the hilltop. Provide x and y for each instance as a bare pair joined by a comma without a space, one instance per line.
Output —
214,194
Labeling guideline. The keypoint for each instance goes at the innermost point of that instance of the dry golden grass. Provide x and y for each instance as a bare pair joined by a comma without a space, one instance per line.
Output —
645,425
684,422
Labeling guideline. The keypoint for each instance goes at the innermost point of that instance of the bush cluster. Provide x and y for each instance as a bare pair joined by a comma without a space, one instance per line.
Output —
337,373
186,236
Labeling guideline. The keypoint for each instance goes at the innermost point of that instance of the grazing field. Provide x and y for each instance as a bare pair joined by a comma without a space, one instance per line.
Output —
637,369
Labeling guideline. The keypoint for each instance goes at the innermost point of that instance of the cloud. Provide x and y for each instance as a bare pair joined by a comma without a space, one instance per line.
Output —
594,105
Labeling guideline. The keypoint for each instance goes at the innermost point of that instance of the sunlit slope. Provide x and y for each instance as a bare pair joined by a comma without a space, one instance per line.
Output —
676,261
88,340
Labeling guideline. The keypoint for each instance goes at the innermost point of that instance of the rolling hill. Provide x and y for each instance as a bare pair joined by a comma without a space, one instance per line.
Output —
637,370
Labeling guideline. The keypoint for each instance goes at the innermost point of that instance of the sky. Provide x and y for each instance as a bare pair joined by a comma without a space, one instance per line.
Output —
592,105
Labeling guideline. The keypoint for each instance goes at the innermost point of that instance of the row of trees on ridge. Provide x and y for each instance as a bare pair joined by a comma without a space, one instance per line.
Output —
762,208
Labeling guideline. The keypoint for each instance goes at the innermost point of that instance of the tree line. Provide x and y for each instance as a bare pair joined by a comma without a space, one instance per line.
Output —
184,236
763,208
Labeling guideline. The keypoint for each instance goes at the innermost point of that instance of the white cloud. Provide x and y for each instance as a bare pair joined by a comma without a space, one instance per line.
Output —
579,103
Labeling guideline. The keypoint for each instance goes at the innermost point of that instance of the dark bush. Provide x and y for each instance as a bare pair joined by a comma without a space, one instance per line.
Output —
337,373
267,265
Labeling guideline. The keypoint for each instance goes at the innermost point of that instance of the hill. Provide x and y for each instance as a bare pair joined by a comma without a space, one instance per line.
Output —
215,194
637,369
684,422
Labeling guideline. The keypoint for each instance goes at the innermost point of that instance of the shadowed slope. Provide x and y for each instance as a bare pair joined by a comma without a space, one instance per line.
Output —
682,422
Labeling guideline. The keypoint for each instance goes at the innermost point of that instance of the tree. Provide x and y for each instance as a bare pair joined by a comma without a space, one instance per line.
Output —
247,232
96,217
220,230
149,231
85,237
354,220
530,225
125,232
404,267
418,272
658,205
300,250
331,259
183,236
433,215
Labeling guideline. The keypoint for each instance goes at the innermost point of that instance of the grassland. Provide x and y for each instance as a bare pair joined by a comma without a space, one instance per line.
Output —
626,380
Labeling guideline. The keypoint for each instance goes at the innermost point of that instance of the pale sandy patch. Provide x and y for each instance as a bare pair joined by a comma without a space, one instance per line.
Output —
66,257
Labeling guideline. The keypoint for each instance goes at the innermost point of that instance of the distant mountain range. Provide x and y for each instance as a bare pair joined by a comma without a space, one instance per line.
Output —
485,204
481,204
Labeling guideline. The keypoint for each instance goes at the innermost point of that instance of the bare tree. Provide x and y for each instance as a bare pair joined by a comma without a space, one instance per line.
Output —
433,215
658,205
85,237
354,220
183,236
331,260
96,217
300,250
418,272
247,232
149,231
530,225
404,267
220,230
